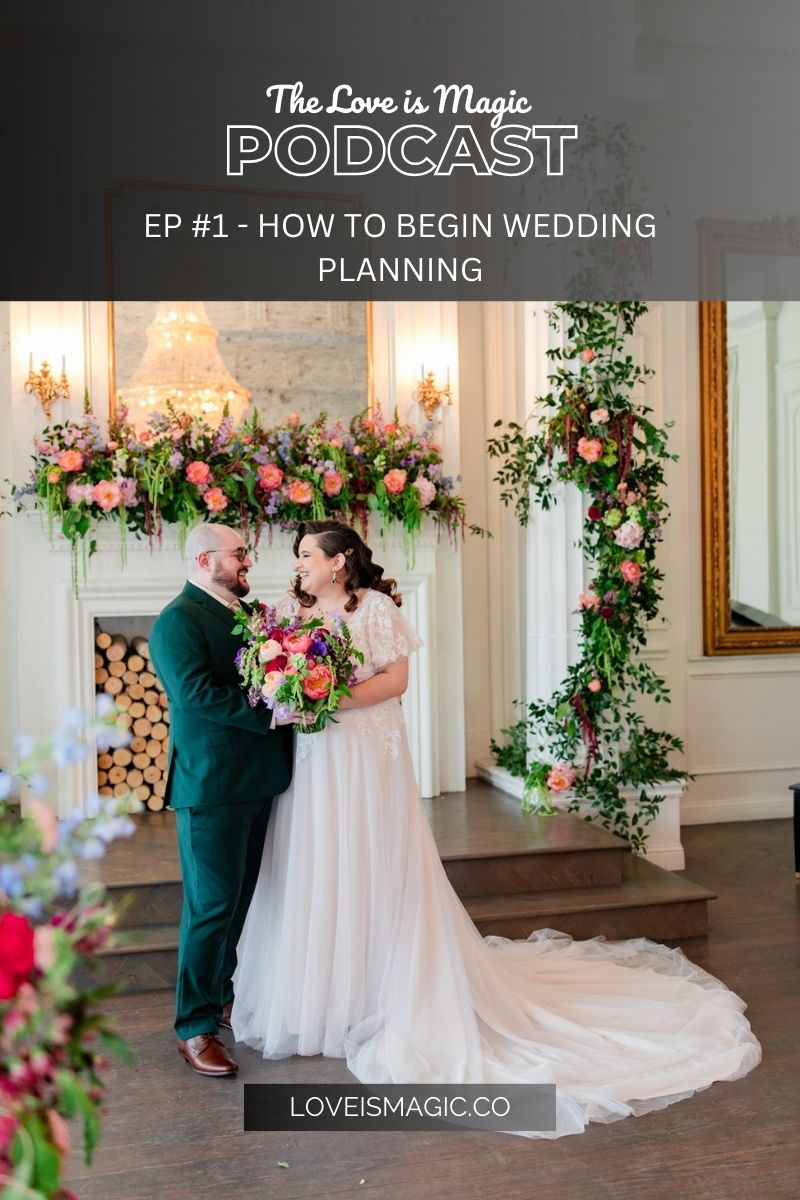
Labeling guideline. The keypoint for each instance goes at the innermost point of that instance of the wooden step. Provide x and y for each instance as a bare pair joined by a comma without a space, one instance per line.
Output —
147,961
650,902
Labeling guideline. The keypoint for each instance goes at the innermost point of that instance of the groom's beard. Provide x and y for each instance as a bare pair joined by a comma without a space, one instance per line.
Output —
234,582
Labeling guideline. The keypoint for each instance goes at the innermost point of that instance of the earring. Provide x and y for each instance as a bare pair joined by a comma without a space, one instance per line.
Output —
333,575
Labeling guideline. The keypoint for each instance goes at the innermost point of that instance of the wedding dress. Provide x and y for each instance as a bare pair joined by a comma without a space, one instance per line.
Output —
356,947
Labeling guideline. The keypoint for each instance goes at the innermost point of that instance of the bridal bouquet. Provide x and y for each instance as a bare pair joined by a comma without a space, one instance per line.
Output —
294,666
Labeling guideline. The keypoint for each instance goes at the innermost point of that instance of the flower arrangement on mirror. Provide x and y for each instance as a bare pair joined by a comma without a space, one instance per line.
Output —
589,741
54,1037
179,470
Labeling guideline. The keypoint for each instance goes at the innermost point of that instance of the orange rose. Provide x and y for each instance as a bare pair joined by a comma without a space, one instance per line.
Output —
299,492
395,480
318,683
216,500
272,681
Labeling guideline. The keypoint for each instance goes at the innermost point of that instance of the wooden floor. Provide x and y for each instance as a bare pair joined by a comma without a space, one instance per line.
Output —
172,1135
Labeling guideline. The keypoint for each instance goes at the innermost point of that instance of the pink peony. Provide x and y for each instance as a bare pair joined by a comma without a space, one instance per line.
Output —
318,682
76,492
297,643
106,493
629,535
426,489
332,483
216,500
395,481
590,449
588,600
631,572
270,477
599,416
70,460
269,650
588,355
560,777
198,472
299,492
595,685
53,475
272,681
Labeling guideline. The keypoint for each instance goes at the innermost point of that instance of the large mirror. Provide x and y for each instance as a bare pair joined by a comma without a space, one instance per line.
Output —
750,377
282,357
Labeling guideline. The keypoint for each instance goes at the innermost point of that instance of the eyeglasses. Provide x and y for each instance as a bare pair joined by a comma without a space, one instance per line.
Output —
241,552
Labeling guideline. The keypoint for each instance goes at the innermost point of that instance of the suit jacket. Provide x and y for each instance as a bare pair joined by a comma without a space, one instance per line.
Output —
221,751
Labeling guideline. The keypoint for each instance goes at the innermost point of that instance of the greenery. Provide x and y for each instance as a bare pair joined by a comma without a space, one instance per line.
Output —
54,1038
589,740
180,470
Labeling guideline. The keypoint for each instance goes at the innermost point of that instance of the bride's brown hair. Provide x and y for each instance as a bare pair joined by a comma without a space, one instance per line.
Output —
334,537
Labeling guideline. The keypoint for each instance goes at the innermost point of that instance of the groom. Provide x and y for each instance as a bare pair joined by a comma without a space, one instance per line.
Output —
225,765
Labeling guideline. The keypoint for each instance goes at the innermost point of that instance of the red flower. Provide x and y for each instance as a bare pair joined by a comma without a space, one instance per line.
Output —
606,612
594,513
16,953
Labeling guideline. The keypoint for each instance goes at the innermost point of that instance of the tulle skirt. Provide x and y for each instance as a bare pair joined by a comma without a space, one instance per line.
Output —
357,947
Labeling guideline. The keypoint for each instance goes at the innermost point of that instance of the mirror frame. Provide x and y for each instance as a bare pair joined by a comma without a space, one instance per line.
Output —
718,637
112,373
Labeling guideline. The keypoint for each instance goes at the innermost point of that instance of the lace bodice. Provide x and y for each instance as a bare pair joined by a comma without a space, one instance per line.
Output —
382,633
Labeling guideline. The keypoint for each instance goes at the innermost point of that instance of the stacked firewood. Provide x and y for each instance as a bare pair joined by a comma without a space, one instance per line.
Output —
125,672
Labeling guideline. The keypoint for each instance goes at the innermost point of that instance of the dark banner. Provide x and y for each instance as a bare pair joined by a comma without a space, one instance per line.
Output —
520,150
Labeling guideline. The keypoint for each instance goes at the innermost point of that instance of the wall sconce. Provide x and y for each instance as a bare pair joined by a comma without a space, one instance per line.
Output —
46,386
429,395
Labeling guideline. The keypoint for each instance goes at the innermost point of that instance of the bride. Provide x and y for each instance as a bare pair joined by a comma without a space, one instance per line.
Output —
355,945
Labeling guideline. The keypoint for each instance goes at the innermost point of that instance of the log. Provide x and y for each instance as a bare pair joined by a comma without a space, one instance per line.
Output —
152,773
116,775
105,791
104,761
130,676
121,789
162,761
117,669
99,661
123,700
118,648
160,788
123,720
155,803
113,686
135,691
146,679
142,727
135,779
135,662
102,778
153,713
140,645
162,699
100,675
140,760
143,792
151,696
153,748
137,709
122,756
138,744
102,640
159,731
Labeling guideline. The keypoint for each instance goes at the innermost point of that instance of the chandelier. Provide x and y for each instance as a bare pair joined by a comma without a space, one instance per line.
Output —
181,364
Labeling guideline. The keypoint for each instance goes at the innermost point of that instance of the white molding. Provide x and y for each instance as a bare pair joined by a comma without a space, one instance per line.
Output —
717,812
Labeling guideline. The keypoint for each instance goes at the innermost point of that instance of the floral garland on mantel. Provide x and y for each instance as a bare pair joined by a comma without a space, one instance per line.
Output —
589,741
180,470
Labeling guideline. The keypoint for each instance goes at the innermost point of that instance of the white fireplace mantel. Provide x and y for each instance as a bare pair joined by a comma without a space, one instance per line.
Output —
55,646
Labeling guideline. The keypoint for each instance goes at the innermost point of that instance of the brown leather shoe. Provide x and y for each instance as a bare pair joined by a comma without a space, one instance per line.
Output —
206,1054
225,1020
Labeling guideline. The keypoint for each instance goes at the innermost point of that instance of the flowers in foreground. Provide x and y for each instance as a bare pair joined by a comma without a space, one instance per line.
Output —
560,777
590,449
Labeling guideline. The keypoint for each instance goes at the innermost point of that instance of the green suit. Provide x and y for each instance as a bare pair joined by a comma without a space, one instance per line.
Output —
225,765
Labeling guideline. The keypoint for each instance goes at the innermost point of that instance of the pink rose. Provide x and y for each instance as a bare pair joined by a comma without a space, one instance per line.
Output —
595,685
589,600
106,493
269,650
426,489
270,477
631,572
629,535
216,500
318,682
272,681
599,416
198,472
53,475
560,777
590,449
395,481
588,355
332,483
70,460
299,492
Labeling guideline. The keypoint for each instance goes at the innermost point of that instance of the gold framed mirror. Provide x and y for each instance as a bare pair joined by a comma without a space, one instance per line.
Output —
750,441
280,356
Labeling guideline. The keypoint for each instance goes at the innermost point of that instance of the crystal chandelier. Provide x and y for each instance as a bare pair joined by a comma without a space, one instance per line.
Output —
182,364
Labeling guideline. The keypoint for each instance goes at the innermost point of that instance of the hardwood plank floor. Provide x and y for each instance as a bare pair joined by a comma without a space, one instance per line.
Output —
172,1135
